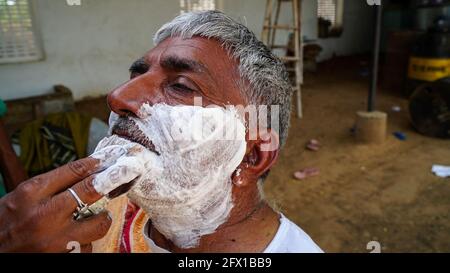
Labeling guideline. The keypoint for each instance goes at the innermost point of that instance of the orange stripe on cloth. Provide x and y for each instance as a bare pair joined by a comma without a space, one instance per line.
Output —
137,240
112,241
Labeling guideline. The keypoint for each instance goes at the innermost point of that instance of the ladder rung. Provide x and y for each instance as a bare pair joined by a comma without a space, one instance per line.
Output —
287,27
289,59
279,46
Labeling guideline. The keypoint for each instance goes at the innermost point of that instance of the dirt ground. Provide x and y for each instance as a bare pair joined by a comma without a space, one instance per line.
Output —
383,193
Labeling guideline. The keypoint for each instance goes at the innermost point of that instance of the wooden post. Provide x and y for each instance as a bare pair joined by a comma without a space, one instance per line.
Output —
265,35
299,56
11,168
275,23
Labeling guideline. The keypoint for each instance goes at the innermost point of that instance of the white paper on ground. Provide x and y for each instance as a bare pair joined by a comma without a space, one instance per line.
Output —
441,171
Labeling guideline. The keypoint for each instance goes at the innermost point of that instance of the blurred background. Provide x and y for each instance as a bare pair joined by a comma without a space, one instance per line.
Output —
368,153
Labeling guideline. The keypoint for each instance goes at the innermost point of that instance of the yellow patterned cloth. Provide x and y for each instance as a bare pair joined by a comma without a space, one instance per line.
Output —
35,153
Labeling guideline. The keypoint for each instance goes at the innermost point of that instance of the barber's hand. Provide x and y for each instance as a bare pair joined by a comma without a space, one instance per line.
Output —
38,215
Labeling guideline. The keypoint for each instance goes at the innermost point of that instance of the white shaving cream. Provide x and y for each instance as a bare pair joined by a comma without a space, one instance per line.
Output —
186,189
123,162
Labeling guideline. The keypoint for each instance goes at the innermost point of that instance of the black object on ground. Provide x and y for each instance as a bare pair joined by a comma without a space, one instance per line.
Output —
429,109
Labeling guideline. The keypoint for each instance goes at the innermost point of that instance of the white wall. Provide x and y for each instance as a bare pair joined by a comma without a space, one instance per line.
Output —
90,47
358,31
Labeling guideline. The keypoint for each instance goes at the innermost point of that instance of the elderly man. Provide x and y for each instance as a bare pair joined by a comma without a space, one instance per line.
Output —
210,56
189,195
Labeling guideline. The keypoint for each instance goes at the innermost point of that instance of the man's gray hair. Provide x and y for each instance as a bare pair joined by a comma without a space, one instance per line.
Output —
264,78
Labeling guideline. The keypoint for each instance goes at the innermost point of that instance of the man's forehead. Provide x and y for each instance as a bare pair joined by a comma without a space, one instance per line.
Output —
206,51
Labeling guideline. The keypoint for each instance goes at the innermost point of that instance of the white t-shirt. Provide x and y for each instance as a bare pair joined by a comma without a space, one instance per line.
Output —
289,238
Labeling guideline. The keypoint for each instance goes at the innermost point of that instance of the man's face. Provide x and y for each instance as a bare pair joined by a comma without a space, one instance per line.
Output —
184,182
177,71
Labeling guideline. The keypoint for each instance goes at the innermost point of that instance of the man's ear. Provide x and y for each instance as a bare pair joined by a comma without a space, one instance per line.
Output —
261,155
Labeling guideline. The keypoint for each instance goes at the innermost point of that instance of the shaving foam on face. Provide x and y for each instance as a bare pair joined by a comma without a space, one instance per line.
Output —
186,189
124,161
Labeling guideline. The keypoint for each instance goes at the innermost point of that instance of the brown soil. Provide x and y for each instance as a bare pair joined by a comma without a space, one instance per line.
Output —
384,193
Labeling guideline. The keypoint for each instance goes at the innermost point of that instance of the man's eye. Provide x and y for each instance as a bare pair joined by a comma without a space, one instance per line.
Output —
181,87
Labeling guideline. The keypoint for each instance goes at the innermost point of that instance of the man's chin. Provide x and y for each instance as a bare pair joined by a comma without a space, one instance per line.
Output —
137,199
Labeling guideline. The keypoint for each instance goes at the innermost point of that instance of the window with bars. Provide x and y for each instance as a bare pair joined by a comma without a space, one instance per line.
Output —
197,5
19,41
330,14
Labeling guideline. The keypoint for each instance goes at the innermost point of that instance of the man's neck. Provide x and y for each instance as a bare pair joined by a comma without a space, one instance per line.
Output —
247,230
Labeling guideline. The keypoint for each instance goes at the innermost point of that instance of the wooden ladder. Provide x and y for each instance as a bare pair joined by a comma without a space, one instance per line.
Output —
268,37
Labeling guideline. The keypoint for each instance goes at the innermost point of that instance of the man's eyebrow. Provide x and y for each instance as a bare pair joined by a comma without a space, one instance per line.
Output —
182,64
140,66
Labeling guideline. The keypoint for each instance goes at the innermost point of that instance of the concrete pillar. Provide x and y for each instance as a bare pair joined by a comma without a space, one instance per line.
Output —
371,127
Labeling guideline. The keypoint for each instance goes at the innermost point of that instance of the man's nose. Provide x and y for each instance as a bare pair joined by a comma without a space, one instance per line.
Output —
128,98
